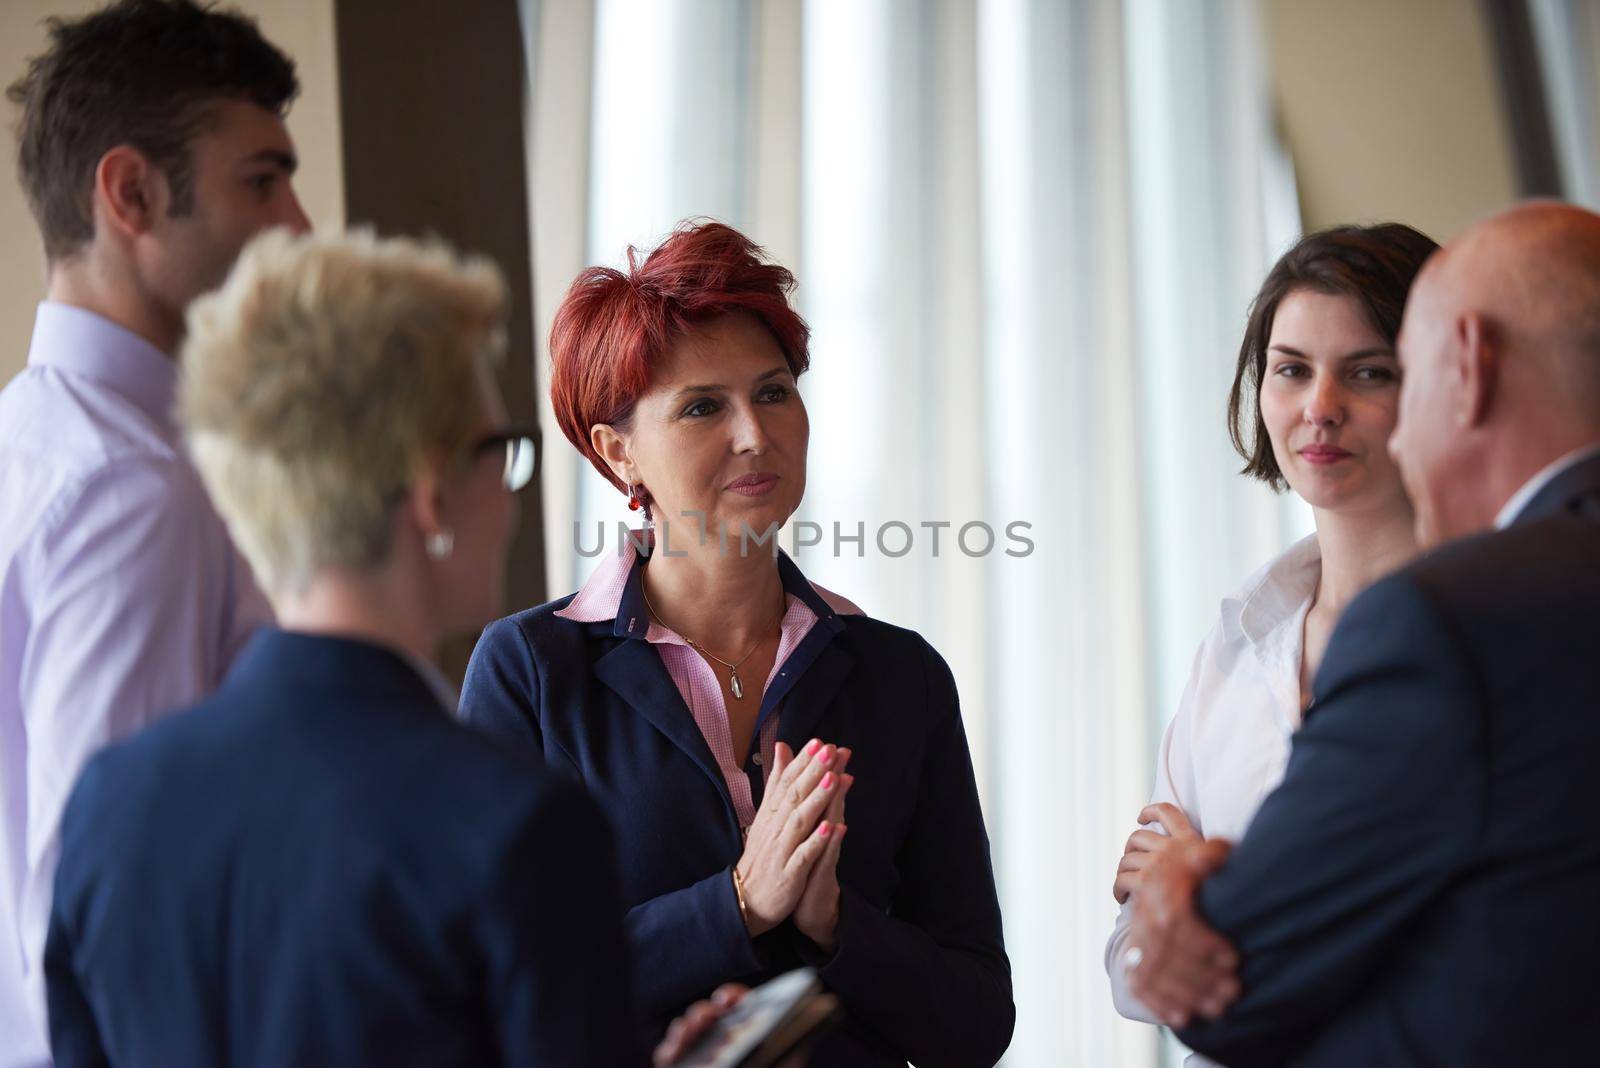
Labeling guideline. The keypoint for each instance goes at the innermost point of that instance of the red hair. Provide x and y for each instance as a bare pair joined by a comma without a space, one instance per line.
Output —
612,329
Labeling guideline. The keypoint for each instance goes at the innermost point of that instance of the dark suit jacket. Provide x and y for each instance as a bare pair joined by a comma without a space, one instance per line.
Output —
920,965
317,866
1424,888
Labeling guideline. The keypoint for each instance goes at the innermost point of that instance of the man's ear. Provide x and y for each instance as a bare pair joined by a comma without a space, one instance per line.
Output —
130,192
613,449
1477,370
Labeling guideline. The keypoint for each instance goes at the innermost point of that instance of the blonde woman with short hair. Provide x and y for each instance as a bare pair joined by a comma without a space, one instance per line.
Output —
318,864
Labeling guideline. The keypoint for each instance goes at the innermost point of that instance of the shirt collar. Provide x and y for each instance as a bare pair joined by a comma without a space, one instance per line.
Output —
1548,474
81,342
615,592
446,693
275,656
1281,590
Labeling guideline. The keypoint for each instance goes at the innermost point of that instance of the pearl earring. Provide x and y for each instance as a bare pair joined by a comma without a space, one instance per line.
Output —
440,545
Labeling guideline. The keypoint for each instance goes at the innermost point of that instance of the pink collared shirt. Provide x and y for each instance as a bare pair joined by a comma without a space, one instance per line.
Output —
698,683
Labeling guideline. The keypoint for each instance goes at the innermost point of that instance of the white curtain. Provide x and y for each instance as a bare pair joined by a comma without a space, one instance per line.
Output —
1026,232
1567,35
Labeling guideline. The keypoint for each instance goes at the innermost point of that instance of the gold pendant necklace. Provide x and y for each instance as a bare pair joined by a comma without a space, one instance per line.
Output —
735,684
733,669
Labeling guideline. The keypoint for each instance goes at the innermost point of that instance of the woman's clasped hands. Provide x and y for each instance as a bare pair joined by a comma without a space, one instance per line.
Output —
790,861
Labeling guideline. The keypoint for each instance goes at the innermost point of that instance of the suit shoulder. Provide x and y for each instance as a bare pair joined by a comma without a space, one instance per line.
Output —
149,750
148,764
536,628
1403,626
1407,603
903,646
870,633
1502,573
911,656
1524,546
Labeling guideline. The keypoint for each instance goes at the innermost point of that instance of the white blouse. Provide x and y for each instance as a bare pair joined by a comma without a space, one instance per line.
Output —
1228,744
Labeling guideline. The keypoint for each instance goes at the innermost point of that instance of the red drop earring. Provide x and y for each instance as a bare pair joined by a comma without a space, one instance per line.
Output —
639,497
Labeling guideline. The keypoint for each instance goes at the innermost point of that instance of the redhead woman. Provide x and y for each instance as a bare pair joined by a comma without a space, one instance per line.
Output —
789,778
1315,398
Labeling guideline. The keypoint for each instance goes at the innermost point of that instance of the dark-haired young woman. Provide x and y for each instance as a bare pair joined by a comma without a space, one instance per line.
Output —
1319,384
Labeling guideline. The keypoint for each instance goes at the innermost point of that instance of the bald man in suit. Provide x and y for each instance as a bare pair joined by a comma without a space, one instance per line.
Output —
1422,888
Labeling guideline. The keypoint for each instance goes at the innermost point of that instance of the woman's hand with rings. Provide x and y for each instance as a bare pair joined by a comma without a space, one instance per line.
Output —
789,834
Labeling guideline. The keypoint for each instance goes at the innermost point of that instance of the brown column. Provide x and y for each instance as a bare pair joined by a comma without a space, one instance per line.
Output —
431,99
1527,112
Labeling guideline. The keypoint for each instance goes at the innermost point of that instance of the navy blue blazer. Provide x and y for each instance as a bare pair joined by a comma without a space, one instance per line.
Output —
1422,889
317,866
920,963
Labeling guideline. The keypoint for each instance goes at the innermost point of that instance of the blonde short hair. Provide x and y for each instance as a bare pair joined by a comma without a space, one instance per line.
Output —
318,378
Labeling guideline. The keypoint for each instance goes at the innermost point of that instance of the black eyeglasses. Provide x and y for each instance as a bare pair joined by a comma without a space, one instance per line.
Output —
521,450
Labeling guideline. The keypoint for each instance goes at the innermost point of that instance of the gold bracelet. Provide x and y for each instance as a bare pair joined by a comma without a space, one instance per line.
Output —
738,890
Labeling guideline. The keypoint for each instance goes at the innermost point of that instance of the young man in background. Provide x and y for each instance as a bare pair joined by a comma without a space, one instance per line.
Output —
151,147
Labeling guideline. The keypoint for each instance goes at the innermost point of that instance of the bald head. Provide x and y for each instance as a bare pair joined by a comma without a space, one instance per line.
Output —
1532,273
1500,348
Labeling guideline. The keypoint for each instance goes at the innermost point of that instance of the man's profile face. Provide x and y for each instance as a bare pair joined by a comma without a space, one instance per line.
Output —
242,166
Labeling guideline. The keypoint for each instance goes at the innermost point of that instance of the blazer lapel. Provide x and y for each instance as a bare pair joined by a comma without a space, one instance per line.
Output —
813,692
636,674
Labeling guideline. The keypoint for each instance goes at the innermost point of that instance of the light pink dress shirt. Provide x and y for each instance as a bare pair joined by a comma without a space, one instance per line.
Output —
696,679
121,598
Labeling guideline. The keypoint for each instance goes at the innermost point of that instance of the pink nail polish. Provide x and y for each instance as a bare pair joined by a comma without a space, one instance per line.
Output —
812,746
826,758
826,829
827,781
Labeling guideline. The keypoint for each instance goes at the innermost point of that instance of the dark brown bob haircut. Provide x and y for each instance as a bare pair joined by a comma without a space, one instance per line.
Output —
143,73
1374,264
